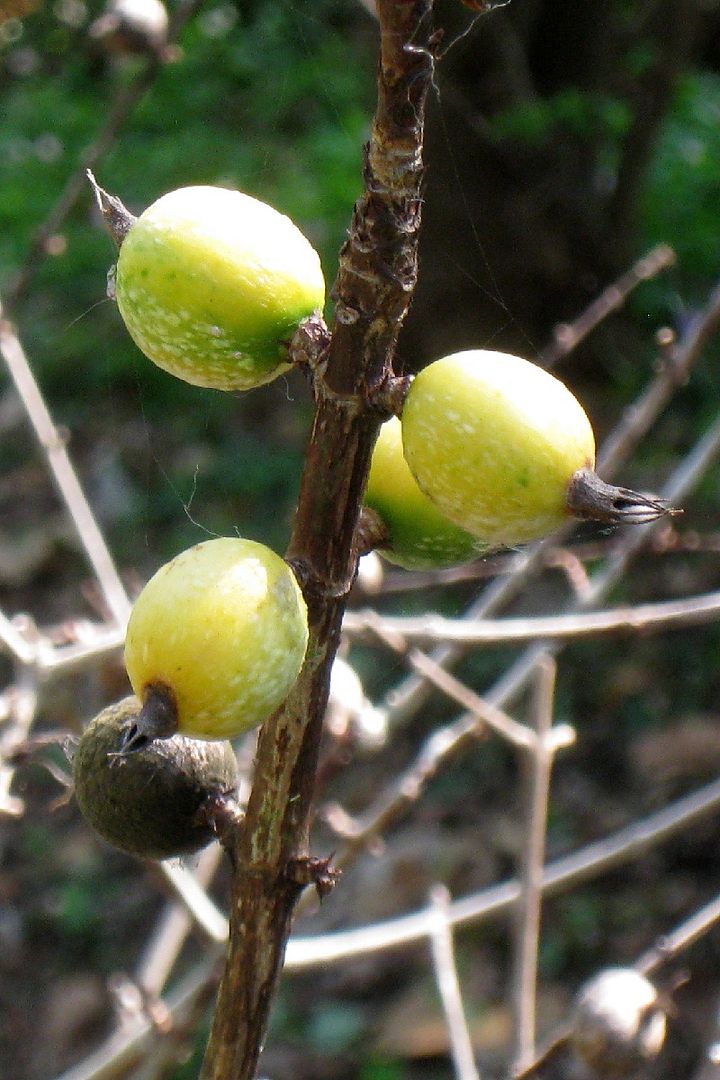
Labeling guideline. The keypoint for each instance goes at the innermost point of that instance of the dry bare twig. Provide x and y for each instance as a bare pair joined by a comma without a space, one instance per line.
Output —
53,446
586,864
570,560
653,617
526,944
163,946
567,336
666,950
21,701
670,945
602,856
192,895
448,984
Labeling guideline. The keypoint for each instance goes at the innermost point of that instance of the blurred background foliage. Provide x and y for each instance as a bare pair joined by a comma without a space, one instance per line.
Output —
564,139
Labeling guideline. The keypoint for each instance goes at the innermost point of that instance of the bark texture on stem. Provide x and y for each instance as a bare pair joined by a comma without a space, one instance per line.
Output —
376,278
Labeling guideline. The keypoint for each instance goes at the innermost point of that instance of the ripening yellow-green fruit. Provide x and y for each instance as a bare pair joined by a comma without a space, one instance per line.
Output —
494,441
419,536
220,634
212,284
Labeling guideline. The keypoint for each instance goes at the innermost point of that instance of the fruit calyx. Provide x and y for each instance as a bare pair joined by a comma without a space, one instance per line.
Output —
371,532
309,344
389,399
591,499
116,216
157,719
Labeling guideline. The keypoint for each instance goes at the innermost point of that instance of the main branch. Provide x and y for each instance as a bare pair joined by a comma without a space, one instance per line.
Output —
376,278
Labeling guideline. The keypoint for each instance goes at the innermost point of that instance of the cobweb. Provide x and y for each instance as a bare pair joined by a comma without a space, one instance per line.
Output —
517,710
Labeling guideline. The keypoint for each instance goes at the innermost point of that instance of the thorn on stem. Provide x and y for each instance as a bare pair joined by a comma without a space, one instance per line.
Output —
310,870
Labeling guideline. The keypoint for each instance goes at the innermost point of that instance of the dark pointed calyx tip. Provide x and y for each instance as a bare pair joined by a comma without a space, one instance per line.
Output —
591,499
118,219
156,720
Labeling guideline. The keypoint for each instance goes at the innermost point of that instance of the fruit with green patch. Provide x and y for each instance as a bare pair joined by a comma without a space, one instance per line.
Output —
505,451
419,536
212,284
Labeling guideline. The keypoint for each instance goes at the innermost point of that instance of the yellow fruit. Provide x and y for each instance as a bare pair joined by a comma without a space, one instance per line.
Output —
212,284
420,537
157,802
494,442
221,631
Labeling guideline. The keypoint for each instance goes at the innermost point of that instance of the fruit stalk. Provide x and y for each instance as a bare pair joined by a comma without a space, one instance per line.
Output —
376,277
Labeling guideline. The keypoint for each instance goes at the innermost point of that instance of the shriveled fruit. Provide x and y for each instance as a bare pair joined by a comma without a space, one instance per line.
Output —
419,536
157,802
212,284
218,637
505,451
619,1023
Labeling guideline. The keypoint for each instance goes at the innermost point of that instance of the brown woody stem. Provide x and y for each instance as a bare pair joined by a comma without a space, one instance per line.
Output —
376,278
591,499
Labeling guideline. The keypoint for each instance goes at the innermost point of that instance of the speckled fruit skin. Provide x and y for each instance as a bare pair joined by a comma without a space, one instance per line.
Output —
223,626
421,538
149,803
493,441
212,284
